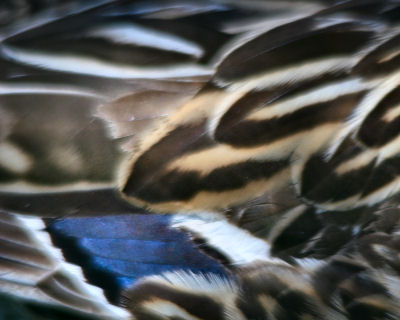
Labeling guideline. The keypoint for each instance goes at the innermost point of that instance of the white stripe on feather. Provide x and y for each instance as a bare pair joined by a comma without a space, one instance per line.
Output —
389,55
222,290
35,227
14,159
391,114
382,88
129,33
295,73
391,149
386,191
200,283
238,245
94,67
315,95
358,162
45,88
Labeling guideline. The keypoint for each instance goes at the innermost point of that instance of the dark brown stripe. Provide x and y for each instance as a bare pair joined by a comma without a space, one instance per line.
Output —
319,183
177,185
329,241
293,43
375,132
295,305
198,305
382,175
251,308
365,247
91,203
181,140
333,274
299,231
362,285
370,66
358,310
258,99
257,280
269,281
24,253
260,279
253,133
8,176
243,106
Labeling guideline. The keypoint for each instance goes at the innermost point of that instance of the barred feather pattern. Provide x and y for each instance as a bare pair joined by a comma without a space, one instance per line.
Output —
269,130
302,119
360,281
306,121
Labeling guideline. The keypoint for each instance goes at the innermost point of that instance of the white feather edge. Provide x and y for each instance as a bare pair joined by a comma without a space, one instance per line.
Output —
90,66
383,87
238,245
130,33
35,228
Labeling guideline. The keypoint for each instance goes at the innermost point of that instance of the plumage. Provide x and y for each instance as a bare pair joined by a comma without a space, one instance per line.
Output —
221,159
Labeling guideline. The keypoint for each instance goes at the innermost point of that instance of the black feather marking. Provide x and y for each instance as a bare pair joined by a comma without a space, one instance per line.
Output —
293,43
193,303
321,185
253,133
176,185
375,131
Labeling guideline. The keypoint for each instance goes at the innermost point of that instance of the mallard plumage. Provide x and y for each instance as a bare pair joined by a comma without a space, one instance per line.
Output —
220,159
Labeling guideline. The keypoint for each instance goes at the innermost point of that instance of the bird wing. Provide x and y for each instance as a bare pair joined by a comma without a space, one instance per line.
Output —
59,65
258,111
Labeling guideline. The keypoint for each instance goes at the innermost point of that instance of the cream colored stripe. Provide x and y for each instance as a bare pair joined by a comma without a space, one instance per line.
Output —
381,87
389,150
389,56
14,158
391,114
294,73
286,219
386,191
312,96
355,201
222,155
357,162
211,200
303,143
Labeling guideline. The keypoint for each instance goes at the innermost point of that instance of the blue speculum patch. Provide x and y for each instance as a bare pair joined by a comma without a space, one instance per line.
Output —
116,251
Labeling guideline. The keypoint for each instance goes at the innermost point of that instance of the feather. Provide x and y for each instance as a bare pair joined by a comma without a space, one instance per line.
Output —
183,160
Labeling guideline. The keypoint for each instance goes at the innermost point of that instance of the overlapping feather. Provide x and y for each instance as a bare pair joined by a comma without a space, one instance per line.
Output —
270,126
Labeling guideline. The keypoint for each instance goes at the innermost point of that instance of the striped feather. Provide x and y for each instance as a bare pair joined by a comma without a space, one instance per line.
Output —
358,282
267,129
34,271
